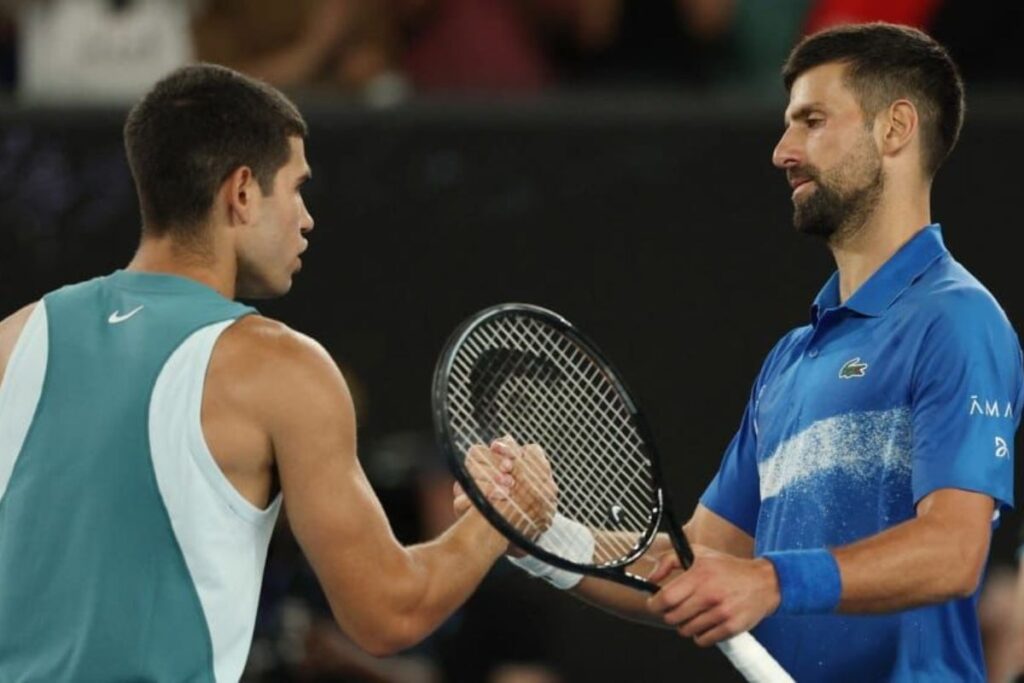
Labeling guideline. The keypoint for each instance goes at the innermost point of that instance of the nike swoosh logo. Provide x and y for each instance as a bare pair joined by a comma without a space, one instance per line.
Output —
116,317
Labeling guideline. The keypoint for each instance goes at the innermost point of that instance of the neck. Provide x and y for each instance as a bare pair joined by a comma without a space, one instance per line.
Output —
891,225
165,256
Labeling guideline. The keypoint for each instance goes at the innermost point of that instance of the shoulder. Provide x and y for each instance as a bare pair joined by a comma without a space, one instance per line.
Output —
790,339
950,300
259,338
14,322
276,369
10,330
957,322
784,347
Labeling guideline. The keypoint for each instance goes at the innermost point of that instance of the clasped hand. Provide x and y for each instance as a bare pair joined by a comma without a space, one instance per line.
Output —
718,597
518,482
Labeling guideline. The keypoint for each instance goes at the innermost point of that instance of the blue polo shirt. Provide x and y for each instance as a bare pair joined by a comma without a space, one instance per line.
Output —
913,384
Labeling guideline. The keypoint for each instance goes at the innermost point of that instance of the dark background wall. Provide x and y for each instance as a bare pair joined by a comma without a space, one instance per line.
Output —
657,225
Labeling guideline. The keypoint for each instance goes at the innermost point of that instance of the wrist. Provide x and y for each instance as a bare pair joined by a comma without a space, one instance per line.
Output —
566,538
483,535
808,581
771,581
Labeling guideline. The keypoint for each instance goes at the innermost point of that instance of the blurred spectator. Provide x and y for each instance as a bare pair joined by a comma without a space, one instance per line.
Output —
472,45
652,42
1001,616
529,45
97,51
754,38
826,13
681,42
347,46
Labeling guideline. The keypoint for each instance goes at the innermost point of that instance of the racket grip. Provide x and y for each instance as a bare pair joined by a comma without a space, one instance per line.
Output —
752,660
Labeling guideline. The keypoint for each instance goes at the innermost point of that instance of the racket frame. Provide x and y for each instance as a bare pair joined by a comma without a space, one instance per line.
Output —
616,569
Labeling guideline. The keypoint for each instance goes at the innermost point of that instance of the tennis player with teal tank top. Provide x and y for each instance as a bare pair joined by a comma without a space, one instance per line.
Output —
139,542
151,427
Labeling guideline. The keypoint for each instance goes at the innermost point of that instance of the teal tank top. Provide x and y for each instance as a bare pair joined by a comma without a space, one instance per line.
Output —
94,583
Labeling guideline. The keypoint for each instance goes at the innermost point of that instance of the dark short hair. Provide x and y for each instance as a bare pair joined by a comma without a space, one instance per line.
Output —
192,130
887,62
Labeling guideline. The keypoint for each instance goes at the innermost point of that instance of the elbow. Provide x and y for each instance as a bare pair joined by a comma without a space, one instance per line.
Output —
389,614
385,625
968,569
968,580
387,639
381,645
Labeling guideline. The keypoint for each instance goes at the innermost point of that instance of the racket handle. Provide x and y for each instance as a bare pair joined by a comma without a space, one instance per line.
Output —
752,660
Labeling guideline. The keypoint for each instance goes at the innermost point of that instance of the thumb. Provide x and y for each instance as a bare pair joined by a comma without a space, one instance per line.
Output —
667,563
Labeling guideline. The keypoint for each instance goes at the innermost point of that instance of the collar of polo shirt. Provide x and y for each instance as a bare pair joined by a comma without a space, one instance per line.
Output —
876,295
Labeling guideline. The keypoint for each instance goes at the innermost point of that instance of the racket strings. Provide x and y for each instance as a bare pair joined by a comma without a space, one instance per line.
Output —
516,376
596,477
592,423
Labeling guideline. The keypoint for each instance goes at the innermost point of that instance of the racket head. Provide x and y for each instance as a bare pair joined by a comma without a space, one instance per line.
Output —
518,369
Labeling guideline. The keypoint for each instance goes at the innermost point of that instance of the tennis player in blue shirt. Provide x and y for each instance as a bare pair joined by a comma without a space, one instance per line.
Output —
849,523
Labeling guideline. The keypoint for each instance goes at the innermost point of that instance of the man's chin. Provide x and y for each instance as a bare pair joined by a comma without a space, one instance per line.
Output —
813,229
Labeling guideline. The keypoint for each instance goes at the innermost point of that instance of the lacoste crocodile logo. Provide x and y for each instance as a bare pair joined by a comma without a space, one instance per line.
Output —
853,368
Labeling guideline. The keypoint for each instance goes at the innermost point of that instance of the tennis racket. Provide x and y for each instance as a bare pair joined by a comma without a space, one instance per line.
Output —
526,372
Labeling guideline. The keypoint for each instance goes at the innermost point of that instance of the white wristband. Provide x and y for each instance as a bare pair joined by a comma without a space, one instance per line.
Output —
565,538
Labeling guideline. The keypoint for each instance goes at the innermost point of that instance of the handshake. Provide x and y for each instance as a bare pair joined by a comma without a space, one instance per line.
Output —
517,483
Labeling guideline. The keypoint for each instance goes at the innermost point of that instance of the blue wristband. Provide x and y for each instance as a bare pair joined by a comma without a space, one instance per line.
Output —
809,581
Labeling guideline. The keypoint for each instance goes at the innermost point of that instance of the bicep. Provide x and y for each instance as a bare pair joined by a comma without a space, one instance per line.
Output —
964,519
967,515
333,512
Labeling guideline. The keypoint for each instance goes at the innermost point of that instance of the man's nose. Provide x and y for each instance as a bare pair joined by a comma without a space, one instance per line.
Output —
786,153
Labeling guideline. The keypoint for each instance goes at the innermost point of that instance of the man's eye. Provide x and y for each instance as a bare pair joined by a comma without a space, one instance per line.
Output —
815,121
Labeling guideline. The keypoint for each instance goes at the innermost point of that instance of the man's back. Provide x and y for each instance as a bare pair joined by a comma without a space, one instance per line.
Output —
124,551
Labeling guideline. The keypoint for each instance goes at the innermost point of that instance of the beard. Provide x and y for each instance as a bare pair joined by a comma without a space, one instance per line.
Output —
844,198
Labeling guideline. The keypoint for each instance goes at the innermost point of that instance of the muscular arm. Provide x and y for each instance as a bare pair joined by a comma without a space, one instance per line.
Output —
937,556
385,596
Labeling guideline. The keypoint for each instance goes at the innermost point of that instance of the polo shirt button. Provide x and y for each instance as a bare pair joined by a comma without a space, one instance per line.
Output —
813,353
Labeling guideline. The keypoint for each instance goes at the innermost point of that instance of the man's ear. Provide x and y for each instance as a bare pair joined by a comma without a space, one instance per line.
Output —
240,192
900,124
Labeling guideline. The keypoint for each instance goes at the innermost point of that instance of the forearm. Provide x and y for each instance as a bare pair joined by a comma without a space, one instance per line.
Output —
620,600
704,527
450,568
387,597
915,563
617,599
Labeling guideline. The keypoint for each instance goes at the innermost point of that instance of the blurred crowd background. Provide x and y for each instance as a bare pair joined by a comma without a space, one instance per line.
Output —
385,51
74,55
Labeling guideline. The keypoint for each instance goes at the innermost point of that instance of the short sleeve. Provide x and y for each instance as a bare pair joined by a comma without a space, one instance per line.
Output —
735,493
966,401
